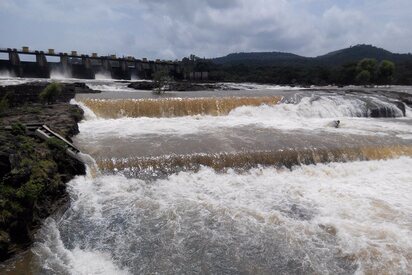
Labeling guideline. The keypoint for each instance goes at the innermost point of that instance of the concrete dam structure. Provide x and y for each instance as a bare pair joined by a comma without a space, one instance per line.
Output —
84,66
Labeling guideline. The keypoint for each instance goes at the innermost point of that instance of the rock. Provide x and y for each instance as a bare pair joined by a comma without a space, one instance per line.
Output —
4,244
385,111
21,94
22,156
142,85
4,164
401,106
180,86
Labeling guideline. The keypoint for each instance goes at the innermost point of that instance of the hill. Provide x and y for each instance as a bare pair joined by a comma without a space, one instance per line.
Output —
336,58
358,52
261,58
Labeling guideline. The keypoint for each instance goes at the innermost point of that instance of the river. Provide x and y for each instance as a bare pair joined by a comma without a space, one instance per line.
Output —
250,180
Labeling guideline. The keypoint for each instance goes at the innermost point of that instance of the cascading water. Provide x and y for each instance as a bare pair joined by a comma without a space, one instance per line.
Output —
237,184
171,107
155,138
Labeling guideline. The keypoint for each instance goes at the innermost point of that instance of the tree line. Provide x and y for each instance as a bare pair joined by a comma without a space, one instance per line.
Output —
367,71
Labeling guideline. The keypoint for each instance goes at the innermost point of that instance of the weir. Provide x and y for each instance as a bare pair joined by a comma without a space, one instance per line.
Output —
242,139
166,165
173,107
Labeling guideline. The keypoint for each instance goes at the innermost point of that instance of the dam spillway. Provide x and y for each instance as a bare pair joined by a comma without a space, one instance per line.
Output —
266,185
84,66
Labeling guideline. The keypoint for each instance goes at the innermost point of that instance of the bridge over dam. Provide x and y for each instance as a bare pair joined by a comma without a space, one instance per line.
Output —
86,67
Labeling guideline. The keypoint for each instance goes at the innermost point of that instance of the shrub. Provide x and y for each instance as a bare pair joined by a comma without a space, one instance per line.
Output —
18,129
56,144
51,93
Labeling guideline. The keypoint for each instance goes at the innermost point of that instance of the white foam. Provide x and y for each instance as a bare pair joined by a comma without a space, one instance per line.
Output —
408,111
60,75
103,76
255,86
7,79
317,214
6,74
307,115
110,87
88,114
57,259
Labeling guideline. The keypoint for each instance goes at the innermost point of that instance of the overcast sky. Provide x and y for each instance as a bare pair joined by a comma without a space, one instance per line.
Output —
208,28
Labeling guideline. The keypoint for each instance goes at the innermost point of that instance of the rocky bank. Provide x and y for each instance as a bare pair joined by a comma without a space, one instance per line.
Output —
33,172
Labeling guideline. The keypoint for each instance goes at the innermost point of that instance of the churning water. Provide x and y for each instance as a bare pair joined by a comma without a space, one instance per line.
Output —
244,182
335,218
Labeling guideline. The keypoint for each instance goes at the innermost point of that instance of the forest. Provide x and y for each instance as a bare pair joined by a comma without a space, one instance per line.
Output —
360,64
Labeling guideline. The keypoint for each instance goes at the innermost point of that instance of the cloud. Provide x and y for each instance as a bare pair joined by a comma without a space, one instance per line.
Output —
240,25
177,28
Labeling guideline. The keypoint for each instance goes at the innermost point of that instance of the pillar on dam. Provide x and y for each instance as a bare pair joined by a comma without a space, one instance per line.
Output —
152,67
14,63
124,67
86,62
87,67
139,69
146,69
65,65
14,58
42,65
106,66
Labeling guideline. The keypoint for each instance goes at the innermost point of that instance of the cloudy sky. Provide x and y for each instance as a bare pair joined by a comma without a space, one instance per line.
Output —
208,28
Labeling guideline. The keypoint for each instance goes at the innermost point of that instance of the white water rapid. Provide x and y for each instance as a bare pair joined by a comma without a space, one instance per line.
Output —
236,189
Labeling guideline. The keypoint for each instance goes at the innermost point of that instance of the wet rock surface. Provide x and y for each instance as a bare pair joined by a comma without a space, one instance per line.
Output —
34,172
18,95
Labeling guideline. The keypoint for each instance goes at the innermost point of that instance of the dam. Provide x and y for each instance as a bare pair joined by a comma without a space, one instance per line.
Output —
254,180
85,66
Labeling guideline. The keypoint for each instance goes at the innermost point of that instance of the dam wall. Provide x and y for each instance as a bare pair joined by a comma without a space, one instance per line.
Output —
86,66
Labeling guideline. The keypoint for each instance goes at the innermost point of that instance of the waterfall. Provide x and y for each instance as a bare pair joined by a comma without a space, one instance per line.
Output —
172,107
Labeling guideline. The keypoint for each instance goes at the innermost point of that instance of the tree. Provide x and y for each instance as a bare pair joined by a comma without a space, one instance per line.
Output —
386,71
161,79
366,71
51,93
364,77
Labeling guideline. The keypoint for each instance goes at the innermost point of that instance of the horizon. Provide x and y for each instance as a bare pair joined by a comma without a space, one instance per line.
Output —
333,51
207,28
243,52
